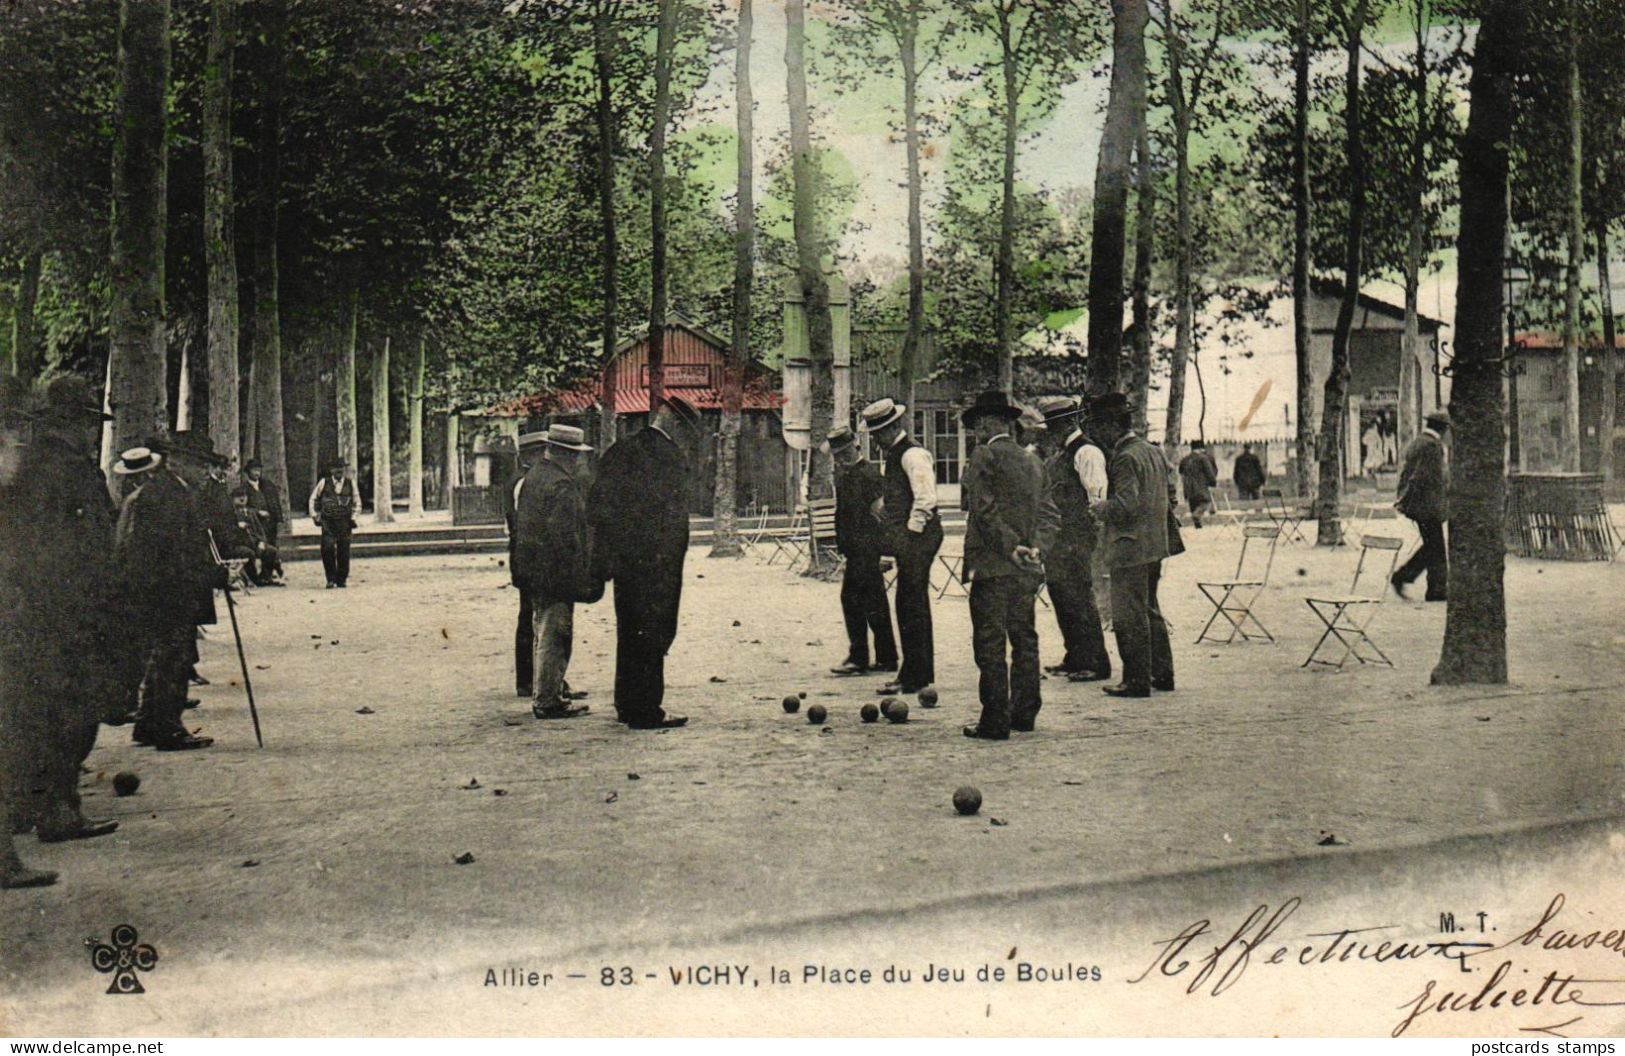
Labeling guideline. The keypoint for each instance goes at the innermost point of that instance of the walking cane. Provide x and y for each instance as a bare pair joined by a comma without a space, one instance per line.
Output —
231,608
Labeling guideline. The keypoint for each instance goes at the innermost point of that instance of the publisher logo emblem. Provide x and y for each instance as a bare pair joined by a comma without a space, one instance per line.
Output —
123,957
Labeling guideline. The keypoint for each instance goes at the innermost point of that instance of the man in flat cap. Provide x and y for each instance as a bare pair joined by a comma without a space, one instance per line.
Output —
333,506
1424,481
1135,523
911,532
857,537
638,509
65,521
1071,459
552,560
1006,533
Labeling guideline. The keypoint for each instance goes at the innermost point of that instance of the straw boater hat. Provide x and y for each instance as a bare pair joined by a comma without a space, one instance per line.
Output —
532,439
568,437
137,460
993,402
841,437
882,413
1058,408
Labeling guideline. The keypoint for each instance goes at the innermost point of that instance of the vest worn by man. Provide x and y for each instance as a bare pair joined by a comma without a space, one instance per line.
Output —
895,488
336,505
1077,531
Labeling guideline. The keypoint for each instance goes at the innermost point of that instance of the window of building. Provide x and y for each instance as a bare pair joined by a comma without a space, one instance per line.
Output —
938,432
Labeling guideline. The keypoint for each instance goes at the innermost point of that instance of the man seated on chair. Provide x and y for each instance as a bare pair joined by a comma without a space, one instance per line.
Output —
857,538
1423,482
264,501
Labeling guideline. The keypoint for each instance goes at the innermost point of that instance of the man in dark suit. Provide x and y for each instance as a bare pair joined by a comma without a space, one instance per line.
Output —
1003,490
64,655
857,538
638,510
1069,558
1249,473
263,501
1135,523
1424,479
333,506
911,532
524,632
551,561
1199,474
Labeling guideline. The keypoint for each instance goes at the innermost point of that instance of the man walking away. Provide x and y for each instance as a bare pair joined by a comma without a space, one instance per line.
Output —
333,506
1135,524
552,559
1199,473
1424,480
1249,473
911,532
1071,457
639,515
524,632
1003,490
857,538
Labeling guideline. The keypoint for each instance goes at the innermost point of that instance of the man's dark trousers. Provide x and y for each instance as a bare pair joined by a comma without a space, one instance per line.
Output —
863,604
1072,590
915,551
1001,611
645,627
163,692
336,555
1431,557
524,645
1142,637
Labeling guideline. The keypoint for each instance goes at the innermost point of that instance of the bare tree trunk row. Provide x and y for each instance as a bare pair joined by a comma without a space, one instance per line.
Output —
219,236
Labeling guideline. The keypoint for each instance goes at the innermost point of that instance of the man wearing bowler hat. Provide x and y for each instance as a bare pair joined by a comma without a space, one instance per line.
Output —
1072,459
1134,523
68,642
1424,480
1003,490
552,561
857,538
911,532
263,502
333,506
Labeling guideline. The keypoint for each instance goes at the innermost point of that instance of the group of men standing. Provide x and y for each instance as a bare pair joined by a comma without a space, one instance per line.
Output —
569,537
1100,500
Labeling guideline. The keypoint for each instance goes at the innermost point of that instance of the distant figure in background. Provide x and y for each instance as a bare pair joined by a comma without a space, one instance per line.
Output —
551,559
1249,473
333,506
638,510
857,537
264,503
1199,473
524,632
1424,480
911,532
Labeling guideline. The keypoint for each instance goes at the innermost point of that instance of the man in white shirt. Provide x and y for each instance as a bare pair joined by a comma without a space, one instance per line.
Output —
911,533
1071,459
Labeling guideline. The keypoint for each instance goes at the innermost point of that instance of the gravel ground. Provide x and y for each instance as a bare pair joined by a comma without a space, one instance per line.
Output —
327,858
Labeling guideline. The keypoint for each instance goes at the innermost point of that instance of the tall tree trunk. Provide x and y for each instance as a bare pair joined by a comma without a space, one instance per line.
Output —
1303,350
1173,428
1609,360
1474,649
219,236
1410,342
1006,292
603,47
318,409
25,353
414,452
270,441
138,390
1335,404
383,481
349,430
454,456
1123,108
665,44
914,332
183,386
1145,213
1574,204
809,252
725,507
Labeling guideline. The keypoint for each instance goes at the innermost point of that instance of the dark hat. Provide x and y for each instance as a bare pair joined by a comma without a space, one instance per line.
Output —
993,402
337,462
70,396
841,437
1108,405
881,413
1437,418
196,444
1055,408
252,463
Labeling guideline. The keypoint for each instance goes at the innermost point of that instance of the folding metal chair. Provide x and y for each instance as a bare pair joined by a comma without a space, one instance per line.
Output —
756,529
952,564
1224,517
790,541
1348,618
1284,517
236,567
1234,598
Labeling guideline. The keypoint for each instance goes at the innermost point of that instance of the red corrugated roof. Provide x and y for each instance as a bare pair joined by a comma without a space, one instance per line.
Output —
1546,340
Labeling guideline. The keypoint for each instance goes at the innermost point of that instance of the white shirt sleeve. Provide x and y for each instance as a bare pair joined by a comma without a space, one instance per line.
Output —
1090,465
314,493
922,481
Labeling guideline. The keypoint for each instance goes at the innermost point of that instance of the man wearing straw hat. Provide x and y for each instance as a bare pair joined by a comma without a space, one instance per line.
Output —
1071,461
524,632
911,533
552,562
